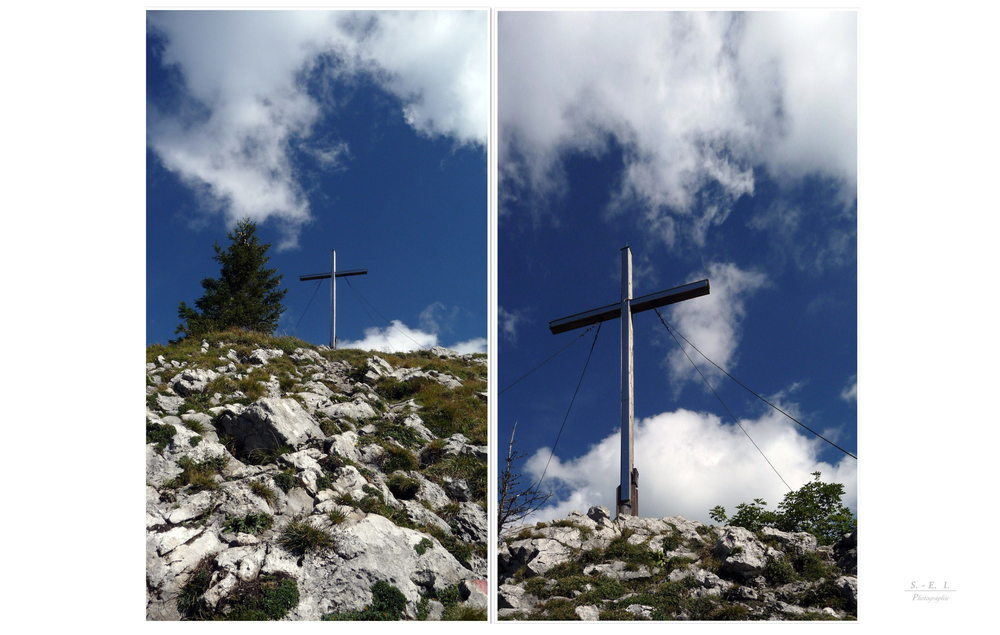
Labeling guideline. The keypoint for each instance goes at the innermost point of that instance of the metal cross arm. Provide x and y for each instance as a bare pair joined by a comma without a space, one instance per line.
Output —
340,274
645,303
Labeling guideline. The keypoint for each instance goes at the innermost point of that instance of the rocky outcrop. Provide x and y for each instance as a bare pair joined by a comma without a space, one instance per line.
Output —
590,567
285,479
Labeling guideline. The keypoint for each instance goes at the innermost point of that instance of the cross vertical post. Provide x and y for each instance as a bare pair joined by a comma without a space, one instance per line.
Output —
627,494
333,275
627,410
333,299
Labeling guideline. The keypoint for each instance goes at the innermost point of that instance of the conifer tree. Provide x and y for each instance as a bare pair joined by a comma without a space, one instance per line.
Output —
245,295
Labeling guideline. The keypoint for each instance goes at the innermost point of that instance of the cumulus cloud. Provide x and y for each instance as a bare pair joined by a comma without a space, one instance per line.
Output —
712,322
689,462
475,345
695,100
246,106
396,338
399,338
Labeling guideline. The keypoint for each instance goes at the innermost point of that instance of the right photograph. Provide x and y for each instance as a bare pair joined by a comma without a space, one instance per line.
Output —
677,386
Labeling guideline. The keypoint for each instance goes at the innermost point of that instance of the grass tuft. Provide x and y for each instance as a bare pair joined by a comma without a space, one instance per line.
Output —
301,537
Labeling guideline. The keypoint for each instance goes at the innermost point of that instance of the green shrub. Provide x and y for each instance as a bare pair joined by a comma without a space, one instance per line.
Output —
249,524
422,546
815,508
778,571
287,480
388,604
810,566
160,434
269,597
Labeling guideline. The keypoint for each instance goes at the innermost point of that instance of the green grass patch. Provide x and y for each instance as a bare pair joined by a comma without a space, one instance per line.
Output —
398,458
301,537
198,474
463,466
262,490
403,487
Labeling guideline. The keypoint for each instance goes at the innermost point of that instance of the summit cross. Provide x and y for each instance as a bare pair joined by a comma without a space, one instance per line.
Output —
333,275
627,494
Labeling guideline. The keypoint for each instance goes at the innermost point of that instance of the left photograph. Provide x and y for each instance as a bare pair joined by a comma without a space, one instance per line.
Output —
316,315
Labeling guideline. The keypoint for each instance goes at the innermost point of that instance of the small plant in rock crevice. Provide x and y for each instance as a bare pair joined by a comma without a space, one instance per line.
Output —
262,490
249,524
300,537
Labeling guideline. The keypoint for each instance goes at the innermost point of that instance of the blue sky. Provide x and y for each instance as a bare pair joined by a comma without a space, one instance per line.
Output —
717,146
360,132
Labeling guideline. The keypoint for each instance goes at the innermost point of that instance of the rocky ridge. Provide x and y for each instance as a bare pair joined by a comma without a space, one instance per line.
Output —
285,481
590,567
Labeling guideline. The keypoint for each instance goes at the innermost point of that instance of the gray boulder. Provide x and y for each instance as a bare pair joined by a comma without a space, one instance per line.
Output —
269,423
192,380
741,552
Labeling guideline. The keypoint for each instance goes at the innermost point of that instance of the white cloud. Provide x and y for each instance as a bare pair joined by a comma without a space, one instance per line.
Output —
399,338
437,317
694,99
509,321
247,104
850,391
396,338
689,462
712,322
475,345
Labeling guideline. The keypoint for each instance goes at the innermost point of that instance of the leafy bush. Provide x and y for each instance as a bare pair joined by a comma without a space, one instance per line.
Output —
815,508
778,571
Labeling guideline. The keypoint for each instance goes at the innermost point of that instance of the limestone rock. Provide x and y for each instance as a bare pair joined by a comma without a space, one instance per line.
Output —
741,552
191,381
269,423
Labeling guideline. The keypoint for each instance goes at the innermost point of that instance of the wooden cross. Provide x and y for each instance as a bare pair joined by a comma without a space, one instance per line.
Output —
627,494
333,275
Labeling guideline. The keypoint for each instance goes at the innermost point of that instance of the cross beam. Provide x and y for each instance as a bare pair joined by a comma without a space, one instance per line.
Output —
333,275
627,496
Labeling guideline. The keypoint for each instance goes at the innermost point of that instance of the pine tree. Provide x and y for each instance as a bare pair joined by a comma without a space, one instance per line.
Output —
245,295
